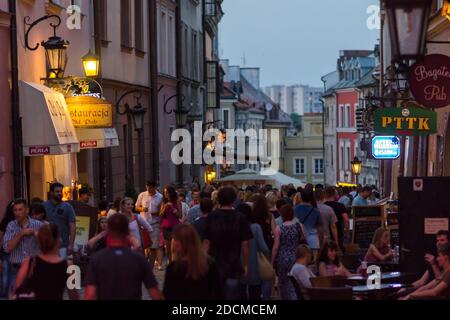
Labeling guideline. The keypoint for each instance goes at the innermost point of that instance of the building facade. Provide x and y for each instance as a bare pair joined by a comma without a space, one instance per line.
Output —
303,152
299,99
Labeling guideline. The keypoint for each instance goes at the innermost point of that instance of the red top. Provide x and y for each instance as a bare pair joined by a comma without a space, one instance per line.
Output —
169,218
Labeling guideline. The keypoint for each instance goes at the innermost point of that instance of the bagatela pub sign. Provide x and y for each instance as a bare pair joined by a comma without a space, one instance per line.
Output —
89,112
411,121
429,80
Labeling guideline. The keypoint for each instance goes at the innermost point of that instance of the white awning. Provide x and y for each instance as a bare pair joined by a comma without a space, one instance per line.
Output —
46,125
97,138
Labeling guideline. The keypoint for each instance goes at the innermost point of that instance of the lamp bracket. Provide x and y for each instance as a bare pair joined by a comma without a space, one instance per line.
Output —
182,96
34,23
127,106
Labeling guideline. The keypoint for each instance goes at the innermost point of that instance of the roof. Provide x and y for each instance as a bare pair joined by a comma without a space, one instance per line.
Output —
367,79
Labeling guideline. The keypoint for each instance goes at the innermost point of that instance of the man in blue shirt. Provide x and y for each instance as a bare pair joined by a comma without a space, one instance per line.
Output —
361,198
308,215
20,239
62,214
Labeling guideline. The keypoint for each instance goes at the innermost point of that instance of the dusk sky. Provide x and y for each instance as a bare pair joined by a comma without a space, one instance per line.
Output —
293,41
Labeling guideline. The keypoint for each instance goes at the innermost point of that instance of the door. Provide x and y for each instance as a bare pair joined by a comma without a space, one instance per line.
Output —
420,199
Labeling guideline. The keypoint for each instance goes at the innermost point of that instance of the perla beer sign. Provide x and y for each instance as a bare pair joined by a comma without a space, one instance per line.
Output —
385,147
411,121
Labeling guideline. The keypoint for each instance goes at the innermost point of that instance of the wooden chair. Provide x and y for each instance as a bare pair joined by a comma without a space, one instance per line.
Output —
298,290
345,293
328,282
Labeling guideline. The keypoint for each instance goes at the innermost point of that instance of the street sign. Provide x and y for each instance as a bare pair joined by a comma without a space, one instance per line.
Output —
385,147
429,80
411,121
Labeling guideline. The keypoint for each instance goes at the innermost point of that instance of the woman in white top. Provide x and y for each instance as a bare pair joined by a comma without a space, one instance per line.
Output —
126,208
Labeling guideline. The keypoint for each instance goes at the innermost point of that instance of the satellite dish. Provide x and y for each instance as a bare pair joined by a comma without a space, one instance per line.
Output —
269,107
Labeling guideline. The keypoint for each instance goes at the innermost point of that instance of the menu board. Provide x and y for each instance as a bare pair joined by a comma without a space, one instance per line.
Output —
364,230
366,221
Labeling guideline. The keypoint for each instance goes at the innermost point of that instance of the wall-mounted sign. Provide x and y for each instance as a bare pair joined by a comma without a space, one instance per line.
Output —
89,112
410,121
33,151
385,147
429,80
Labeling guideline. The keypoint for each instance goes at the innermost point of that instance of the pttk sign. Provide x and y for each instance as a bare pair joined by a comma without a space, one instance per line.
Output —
409,121
385,147
429,80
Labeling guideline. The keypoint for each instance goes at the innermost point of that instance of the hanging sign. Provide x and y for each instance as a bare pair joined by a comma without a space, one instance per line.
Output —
429,80
411,121
385,147
89,112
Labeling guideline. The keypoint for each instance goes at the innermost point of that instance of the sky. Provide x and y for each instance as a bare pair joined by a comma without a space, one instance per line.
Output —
293,41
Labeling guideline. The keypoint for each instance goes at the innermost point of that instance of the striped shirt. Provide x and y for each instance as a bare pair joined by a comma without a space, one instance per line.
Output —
28,246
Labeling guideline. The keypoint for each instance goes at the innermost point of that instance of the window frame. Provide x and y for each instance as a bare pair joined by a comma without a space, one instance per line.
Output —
294,166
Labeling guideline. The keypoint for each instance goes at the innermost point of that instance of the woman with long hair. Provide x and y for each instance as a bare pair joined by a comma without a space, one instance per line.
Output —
252,282
98,242
287,237
135,223
46,274
115,208
192,275
380,249
170,215
328,262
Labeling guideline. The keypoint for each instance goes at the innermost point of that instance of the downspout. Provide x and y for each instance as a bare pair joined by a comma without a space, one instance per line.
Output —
153,114
15,111
323,131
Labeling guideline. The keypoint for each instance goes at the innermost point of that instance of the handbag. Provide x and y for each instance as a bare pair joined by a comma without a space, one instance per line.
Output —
265,268
146,240
24,291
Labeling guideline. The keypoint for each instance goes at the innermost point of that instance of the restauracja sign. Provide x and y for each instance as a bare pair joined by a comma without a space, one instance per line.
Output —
89,112
411,121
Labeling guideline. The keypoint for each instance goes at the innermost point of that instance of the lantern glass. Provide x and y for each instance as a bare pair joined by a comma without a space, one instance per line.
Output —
356,166
91,64
137,114
408,25
181,117
55,56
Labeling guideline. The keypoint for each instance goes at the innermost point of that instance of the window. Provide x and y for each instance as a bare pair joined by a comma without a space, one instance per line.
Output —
318,166
347,160
348,116
171,46
210,8
101,25
342,158
341,117
195,54
185,55
125,23
213,84
162,44
138,25
299,166
332,155
226,119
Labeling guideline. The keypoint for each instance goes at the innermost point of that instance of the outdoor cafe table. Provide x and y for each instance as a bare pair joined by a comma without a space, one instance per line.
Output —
386,277
377,293
387,266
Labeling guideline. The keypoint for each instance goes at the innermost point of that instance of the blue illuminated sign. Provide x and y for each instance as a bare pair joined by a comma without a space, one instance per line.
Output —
385,147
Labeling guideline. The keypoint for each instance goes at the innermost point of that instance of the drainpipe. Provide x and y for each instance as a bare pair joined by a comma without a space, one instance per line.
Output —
15,111
153,81
323,132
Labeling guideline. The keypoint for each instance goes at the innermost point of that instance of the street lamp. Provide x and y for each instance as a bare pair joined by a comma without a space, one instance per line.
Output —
55,47
408,25
181,112
356,167
91,64
137,114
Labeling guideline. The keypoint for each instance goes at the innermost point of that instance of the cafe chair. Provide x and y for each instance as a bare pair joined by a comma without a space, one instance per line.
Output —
328,282
351,261
298,290
345,293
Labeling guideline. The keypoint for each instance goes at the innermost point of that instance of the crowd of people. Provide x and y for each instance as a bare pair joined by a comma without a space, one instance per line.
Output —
219,242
